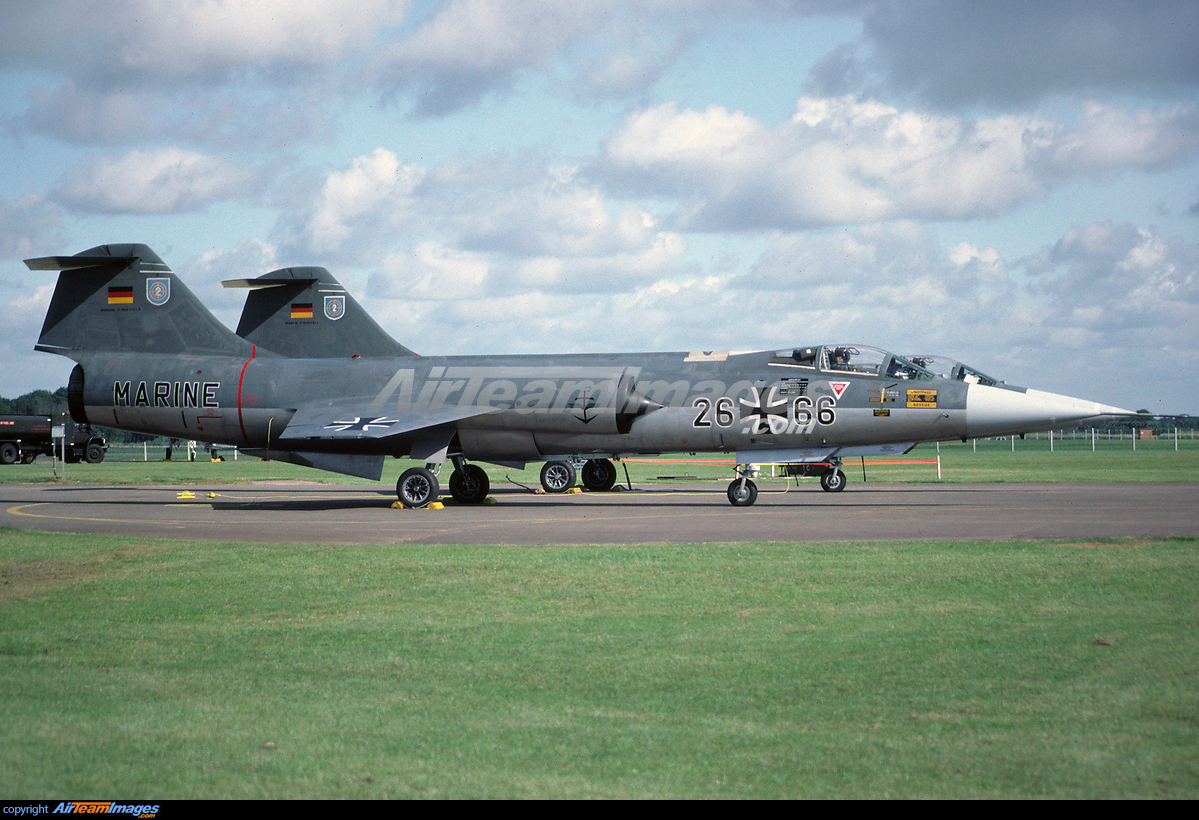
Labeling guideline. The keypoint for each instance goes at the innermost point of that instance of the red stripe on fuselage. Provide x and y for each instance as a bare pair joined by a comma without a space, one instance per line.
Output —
241,380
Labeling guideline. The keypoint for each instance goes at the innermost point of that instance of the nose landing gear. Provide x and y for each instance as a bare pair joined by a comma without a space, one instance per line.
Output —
832,480
743,492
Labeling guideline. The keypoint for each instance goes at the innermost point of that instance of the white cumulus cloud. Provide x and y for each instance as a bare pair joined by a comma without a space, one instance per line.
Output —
847,160
154,181
363,203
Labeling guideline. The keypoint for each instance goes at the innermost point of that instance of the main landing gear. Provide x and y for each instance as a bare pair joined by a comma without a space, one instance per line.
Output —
596,474
557,476
469,484
418,486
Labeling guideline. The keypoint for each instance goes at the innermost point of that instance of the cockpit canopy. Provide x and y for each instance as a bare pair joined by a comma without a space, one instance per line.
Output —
950,369
852,359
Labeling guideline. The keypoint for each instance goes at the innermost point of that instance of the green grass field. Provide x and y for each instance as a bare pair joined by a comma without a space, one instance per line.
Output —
174,669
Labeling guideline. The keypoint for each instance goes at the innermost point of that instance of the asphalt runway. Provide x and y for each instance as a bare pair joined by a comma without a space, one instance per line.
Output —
296,511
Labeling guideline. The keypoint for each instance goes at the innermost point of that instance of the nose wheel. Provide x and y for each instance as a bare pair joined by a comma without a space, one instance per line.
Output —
832,481
743,492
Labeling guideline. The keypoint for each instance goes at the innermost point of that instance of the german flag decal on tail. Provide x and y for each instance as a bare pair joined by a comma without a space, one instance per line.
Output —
119,295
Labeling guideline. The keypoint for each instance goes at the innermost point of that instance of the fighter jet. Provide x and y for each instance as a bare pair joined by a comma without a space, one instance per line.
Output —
152,359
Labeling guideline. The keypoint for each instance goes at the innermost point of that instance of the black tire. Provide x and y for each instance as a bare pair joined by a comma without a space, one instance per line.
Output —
557,476
9,453
469,485
94,454
598,475
743,495
833,481
417,487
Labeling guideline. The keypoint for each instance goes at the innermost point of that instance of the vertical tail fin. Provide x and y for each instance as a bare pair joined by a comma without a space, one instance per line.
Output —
304,313
123,298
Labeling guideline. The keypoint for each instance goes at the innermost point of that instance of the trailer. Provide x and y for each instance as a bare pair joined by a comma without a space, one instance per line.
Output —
24,438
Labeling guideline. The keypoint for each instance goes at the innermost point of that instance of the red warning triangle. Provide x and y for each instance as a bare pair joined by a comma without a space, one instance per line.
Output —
838,388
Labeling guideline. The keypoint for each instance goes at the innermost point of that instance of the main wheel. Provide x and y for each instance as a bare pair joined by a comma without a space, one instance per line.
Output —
598,475
9,453
742,494
94,454
832,481
417,487
557,476
469,485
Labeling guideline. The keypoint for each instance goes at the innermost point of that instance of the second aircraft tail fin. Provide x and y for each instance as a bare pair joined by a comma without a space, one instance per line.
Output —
304,313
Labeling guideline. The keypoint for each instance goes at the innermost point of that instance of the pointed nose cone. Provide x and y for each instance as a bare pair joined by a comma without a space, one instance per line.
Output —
994,411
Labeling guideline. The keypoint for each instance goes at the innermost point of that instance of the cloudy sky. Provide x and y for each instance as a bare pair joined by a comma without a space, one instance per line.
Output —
1013,184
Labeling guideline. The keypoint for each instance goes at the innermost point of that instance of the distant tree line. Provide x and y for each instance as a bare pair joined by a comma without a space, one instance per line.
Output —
37,403
1158,425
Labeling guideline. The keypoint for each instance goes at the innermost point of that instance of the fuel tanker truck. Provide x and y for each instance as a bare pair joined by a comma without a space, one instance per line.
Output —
24,438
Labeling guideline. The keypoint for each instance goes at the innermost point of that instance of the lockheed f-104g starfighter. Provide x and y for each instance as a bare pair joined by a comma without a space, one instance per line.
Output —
152,359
